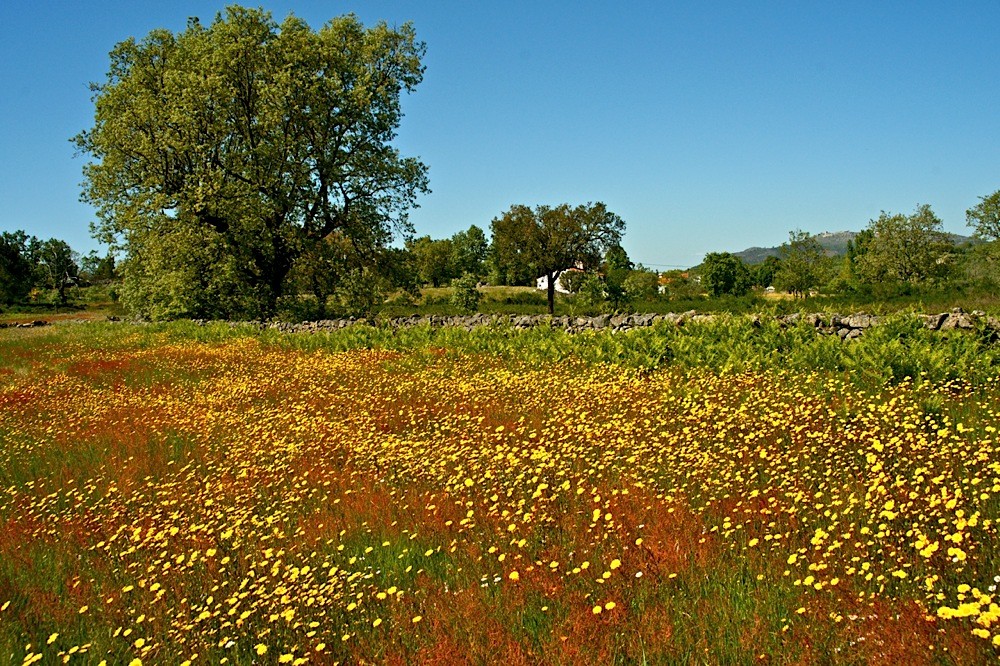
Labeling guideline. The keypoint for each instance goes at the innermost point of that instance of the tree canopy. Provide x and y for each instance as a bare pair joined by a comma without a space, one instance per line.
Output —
985,216
16,267
224,154
56,266
549,240
902,248
725,273
804,265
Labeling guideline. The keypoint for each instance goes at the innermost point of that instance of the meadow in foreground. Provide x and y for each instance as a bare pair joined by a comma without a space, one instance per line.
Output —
240,501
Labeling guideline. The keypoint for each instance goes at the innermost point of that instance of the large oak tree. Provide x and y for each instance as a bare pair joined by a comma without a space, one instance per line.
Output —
224,153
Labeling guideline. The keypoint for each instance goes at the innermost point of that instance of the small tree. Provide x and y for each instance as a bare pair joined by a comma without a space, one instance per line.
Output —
571,281
95,268
725,273
468,252
466,295
56,266
763,273
908,249
985,216
617,267
804,264
434,259
593,291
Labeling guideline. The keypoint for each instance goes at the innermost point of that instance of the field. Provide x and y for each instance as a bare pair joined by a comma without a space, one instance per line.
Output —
724,494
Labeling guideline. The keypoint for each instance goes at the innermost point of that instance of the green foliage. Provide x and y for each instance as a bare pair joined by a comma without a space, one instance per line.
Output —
724,273
764,273
234,149
592,291
95,268
572,280
432,259
532,298
910,249
616,269
616,258
467,296
550,240
804,266
469,251
186,271
56,267
16,270
641,284
981,267
985,216
897,350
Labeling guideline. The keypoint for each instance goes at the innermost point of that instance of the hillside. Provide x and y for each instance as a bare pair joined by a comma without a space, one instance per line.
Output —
834,243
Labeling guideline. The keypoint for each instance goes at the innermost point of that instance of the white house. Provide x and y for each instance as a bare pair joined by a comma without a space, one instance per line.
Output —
543,282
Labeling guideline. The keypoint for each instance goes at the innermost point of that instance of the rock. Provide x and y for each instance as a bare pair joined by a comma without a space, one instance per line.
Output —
957,320
859,320
933,322
789,319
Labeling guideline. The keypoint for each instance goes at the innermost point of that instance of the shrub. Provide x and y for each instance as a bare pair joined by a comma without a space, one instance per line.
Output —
466,295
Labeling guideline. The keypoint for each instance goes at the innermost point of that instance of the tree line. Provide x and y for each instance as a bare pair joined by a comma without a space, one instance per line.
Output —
28,264
896,253
578,248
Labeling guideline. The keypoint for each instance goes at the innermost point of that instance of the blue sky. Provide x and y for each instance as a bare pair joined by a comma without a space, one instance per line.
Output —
707,126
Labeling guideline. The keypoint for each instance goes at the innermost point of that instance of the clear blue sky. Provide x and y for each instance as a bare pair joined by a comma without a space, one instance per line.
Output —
707,126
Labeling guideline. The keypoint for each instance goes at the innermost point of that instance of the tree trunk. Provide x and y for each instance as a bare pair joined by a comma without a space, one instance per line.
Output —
551,291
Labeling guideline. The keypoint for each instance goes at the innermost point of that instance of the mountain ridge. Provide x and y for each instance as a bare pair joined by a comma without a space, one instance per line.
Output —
834,243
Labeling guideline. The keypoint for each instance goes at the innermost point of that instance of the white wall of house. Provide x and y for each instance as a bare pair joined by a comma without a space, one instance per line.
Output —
543,283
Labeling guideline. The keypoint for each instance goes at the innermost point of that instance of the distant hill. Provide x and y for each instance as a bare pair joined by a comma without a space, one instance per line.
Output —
833,243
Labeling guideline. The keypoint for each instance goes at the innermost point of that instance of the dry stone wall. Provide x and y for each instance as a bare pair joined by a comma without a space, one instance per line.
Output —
845,327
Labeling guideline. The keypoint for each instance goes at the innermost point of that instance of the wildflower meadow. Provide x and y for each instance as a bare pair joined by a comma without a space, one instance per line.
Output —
185,495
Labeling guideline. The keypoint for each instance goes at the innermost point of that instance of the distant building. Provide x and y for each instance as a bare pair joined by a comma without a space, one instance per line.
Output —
542,283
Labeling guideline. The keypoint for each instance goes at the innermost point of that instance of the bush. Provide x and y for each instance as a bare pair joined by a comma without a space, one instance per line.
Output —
467,295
